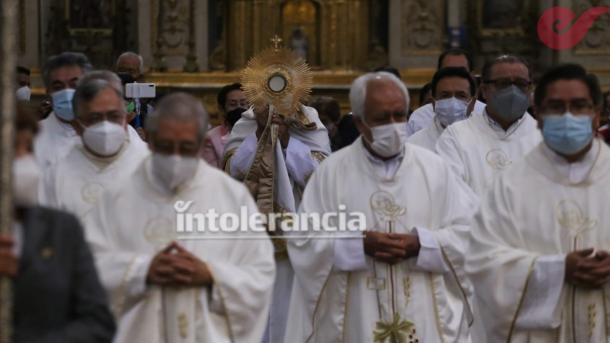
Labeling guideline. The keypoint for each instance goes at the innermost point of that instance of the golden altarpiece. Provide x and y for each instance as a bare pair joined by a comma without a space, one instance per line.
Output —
200,45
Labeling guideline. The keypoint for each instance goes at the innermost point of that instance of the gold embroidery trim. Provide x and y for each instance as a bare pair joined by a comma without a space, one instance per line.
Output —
315,310
527,280
435,305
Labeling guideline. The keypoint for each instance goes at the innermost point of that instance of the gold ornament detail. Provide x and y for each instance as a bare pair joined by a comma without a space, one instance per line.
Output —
277,77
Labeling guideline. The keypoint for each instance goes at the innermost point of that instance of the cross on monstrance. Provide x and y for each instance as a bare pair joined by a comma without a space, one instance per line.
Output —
276,41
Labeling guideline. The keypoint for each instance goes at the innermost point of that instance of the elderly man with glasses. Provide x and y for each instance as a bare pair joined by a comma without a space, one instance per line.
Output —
215,284
487,143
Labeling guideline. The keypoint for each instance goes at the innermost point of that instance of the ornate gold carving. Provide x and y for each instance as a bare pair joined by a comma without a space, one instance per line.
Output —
597,40
419,24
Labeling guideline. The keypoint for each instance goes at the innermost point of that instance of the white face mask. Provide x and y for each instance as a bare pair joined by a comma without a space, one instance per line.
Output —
104,138
26,175
24,93
389,139
174,170
448,111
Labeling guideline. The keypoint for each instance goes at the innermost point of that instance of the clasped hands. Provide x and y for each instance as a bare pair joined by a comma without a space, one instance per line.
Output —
175,266
390,248
587,268
276,118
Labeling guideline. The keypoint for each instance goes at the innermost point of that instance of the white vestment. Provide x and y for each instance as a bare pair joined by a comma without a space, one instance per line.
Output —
423,117
293,167
536,212
427,138
340,294
478,148
133,223
76,183
56,139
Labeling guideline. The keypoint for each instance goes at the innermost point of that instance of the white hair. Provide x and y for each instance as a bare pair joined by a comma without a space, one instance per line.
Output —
132,54
357,92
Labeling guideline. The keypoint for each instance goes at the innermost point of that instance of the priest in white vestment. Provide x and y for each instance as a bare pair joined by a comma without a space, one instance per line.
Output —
105,154
423,117
57,135
276,175
214,287
538,256
483,145
453,91
403,281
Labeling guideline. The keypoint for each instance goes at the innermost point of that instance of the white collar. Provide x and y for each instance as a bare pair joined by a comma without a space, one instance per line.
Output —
386,169
497,128
578,171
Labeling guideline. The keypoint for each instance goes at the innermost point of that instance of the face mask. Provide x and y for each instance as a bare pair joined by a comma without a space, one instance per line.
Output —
174,170
26,175
567,134
450,110
62,104
509,103
235,115
24,93
389,139
104,138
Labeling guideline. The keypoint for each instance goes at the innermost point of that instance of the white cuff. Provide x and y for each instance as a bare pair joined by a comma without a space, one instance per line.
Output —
349,254
243,157
299,162
540,308
430,256
139,272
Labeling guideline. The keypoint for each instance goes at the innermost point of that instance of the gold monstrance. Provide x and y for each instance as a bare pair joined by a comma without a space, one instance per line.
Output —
277,77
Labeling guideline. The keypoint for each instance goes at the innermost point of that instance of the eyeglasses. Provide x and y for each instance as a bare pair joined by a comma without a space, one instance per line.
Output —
167,147
92,118
577,106
502,83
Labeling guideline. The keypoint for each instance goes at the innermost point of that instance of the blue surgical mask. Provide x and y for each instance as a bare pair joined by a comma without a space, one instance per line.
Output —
450,110
567,134
62,104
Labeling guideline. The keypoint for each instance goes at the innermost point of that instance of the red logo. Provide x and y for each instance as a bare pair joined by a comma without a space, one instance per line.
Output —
558,30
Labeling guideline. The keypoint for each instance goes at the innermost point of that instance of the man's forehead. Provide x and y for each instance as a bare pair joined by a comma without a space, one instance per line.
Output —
505,69
235,94
453,83
128,60
66,73
567,89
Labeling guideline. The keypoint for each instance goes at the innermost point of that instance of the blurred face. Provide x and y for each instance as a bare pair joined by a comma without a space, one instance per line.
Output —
64,77
23,80
457,87
176,138
503,75
235,99
106,105
606,109
455,61
129,65
384,104
568,96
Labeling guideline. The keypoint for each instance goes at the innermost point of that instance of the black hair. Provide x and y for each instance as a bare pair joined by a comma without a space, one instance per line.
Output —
568,72
23,70
486,73
224,91
327,106
389,69
453,72
62,60
422,92
455,52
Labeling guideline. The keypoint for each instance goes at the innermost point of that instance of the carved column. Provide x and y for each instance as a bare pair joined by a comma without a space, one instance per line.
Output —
173,34
417,32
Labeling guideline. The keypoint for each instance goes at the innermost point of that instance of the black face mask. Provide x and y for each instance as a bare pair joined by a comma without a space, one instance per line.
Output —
233,116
